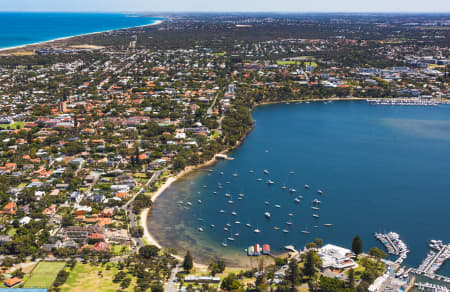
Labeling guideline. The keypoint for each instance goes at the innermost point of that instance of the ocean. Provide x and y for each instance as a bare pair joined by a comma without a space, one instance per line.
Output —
19,28
381,169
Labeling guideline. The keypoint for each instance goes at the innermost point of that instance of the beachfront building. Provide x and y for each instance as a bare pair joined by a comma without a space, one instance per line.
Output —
336,257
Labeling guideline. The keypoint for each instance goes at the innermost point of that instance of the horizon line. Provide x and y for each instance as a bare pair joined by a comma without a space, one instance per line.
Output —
230,12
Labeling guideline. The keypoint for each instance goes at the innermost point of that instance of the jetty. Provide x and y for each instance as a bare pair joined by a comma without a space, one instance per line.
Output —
394,245
402,101
431,287
224,157
437,255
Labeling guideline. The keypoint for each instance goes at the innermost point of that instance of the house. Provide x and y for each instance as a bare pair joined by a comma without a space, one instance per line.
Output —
100,246
11,282
9,209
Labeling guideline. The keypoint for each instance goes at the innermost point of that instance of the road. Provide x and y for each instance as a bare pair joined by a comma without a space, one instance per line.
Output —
171,284
209,111
128,207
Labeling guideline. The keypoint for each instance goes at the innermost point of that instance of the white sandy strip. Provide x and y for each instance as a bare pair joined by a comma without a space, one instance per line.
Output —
74,36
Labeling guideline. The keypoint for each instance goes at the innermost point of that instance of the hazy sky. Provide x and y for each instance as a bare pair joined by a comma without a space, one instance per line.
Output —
229,5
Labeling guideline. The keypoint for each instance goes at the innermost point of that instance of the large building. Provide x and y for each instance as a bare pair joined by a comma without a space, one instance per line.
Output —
336,257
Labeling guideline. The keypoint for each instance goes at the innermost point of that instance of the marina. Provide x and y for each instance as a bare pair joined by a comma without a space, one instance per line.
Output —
403,101
394,245
435,258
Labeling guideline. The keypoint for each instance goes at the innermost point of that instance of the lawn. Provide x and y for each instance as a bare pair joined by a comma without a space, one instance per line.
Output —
13,125
44,275
306,63
86,277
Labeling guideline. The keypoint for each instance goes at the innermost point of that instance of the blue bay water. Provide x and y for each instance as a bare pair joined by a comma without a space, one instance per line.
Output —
17,28
381,168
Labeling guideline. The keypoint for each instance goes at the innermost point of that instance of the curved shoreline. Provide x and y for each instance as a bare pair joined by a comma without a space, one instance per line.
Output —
156,22
144,213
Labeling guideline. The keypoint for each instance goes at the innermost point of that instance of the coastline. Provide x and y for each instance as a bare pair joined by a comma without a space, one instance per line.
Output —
147,236
2,50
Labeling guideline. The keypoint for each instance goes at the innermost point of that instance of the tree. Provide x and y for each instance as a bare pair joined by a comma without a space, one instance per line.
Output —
312,262
188,262
357,245
230,282
318,241
377,253
216,267
351,278
148,251
293,275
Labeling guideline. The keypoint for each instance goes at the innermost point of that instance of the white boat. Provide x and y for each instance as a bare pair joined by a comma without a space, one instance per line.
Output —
297,200
328,225
213,226
277,206
222,211
315,208
259,179
200,229
305,232
228,225
230,238
189,203
266,171
227,195
251,171
226,229
315,216
290,214
267,214
248,225
199,201
230,202
221,173
233,213
236,234
241,195
270,182
267,203
276,228
214,192
315,201
180,202
224,244
257,230
307,187
237,222
320,192
283,187
285,231
288,223
293,190
235,174
291,172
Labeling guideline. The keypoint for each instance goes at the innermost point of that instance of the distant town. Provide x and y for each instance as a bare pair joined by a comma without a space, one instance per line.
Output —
92,127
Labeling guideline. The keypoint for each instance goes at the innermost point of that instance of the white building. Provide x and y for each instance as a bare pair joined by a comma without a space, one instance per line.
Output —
336,257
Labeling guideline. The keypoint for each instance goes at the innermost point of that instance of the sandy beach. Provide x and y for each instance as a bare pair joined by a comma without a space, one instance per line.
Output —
53,41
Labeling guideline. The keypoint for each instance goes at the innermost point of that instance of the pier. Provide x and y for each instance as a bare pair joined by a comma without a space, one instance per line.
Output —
394,245
402,101
431,287
224,156
437,255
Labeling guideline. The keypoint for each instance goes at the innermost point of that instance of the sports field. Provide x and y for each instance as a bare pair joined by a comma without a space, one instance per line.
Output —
44,275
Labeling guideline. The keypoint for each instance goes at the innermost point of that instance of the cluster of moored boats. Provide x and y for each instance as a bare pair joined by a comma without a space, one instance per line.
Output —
394,245
230,201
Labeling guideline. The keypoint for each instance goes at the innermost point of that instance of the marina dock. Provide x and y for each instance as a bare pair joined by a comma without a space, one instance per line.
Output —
431,287
437,255
394,245
402,101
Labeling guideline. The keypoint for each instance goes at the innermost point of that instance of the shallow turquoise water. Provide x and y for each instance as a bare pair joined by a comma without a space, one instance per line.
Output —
19,28
382,168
